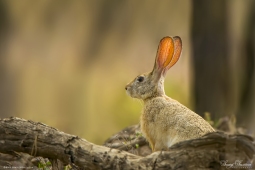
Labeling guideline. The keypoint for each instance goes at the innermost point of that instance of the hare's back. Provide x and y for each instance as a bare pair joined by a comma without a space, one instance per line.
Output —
166,120
169,114
188,123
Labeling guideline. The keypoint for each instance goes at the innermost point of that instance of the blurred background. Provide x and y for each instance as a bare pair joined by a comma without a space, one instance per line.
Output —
66,63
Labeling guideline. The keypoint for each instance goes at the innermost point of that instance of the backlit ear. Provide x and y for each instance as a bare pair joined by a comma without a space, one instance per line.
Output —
164,55
177,51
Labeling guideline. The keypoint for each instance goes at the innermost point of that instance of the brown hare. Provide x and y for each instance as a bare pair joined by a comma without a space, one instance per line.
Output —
165,121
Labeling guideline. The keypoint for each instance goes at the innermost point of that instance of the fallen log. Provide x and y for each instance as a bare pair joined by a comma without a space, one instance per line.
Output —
213,151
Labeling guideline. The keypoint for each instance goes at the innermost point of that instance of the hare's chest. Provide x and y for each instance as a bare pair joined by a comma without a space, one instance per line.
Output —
153,111
149,114
147,124
149,121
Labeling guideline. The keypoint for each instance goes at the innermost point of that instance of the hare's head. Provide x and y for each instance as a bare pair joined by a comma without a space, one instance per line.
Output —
151,84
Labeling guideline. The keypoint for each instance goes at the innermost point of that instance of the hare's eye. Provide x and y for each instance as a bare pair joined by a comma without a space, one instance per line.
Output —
140,78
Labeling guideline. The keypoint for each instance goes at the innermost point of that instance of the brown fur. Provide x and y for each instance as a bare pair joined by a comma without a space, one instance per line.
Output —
164,121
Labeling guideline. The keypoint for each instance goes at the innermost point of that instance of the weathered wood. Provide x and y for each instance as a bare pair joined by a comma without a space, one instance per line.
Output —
38,139
130,140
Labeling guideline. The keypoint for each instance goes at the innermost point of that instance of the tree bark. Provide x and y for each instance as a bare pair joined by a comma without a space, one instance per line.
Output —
38,139
246,112
7,81
212,76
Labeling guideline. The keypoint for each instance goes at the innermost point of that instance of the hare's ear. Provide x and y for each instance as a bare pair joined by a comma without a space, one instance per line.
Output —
177,51
164,56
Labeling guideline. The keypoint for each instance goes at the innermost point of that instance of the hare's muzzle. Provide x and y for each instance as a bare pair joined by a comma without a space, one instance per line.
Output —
127,87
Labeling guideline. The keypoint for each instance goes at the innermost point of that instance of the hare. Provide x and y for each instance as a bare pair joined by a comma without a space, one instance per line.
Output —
164,121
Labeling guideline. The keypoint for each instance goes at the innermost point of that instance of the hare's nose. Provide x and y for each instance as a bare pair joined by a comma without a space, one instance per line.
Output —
126,87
